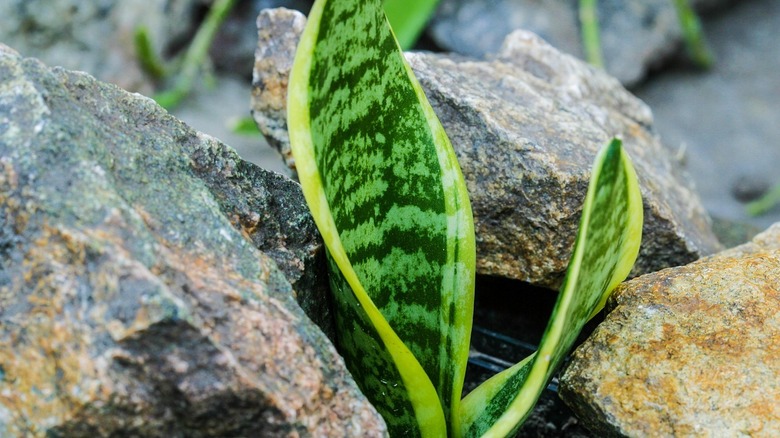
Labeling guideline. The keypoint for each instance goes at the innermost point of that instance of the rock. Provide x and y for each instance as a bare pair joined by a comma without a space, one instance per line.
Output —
478,28
234,44
635,35
693,350
526,128
733,233
97,37
747,188
278,33
142,277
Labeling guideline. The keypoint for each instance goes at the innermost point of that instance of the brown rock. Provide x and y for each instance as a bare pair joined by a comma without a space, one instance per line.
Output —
278,33
134,300
693,350
526,128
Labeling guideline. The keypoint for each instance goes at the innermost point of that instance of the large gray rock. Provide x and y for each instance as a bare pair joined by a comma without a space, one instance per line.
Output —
145,277
526,128
693,350
96,37
635,35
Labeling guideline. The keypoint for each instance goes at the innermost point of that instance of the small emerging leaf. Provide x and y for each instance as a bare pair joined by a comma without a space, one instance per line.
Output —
147,57
606,247
195,56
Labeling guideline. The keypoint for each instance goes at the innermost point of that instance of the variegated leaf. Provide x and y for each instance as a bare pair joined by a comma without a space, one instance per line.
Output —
606,247
386,192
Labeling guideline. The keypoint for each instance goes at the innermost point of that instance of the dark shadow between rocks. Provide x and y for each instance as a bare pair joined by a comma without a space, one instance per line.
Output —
509,319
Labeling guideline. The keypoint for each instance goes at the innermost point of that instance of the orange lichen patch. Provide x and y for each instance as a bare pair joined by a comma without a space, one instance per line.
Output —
248,224
16,212
688,351
48,371
273,90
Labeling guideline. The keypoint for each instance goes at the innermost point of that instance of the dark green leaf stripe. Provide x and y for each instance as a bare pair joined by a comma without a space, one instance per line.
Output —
606,247
386,192
377,373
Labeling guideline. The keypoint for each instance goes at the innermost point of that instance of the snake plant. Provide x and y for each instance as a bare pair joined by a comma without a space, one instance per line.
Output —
384,187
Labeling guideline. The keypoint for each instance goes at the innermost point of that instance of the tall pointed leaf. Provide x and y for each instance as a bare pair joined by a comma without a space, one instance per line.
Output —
387,194
606,247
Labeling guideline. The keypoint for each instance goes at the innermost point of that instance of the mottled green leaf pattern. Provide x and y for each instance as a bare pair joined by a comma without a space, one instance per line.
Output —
605,250
385,189
377,373
386,192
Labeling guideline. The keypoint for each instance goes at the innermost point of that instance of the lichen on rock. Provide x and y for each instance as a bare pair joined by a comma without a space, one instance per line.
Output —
692,350
145,277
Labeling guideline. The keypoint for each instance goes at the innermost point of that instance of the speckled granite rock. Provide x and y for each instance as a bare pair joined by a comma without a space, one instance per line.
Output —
693,350
133,298
278,33
526,128
635,34
96,37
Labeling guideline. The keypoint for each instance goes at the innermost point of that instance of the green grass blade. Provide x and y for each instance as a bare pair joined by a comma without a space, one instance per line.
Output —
765,203
695,43
386,192
150,62
196,56
591,35
605,250
408,18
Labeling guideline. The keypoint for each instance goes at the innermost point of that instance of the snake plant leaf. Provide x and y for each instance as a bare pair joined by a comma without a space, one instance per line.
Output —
408,18
605,250
388,197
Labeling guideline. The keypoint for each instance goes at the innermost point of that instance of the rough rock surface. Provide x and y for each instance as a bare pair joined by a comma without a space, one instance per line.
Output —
693,350
635,34
278,33
526,128
133,298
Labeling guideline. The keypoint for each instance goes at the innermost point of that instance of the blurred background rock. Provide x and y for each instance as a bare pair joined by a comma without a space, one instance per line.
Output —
721,122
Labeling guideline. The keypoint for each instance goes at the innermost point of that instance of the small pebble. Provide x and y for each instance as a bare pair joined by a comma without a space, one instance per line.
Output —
748,188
